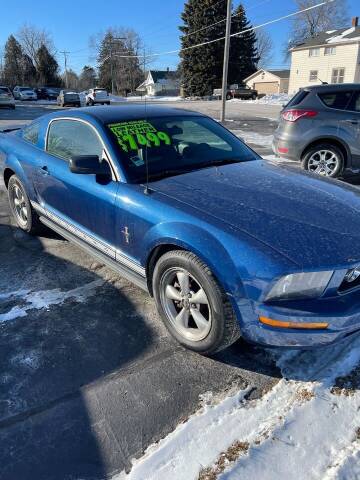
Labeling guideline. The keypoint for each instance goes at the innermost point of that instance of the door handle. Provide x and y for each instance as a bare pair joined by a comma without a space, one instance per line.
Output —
44,170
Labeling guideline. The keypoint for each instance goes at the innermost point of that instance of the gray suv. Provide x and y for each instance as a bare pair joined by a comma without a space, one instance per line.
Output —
320,127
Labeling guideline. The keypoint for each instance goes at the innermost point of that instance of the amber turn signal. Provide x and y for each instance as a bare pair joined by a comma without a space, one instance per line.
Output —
302,325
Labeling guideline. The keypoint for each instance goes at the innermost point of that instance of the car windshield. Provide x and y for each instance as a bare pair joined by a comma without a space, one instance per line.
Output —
4,90
174,145
25,89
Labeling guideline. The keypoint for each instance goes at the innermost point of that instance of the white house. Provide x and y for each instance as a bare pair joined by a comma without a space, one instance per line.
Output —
332,57
160,82
269,81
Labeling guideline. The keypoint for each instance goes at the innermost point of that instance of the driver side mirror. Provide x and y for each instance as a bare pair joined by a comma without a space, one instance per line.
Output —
88,165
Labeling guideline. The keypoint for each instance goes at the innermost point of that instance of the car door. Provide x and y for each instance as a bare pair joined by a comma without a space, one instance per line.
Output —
352,125
86,202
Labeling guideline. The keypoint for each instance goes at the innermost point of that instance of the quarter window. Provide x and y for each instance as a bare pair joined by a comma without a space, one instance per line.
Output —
314,52
67,138
313,75
338,75
338,100
355,103
31,133
330,51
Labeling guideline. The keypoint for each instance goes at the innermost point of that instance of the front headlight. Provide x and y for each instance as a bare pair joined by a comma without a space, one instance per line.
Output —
300,285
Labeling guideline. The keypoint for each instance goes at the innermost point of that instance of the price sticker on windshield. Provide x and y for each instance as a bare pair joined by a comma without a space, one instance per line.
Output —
134,135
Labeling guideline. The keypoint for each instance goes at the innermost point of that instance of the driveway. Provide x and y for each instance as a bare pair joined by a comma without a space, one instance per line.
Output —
89,377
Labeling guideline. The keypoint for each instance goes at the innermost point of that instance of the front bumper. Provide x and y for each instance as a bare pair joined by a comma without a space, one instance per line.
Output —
341,313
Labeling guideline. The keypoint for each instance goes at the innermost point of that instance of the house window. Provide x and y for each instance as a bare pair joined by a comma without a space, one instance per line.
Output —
314,52
338,75
330,51
313,75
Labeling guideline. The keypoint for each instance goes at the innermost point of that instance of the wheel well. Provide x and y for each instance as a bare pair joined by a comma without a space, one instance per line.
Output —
154,256
330,141
7,174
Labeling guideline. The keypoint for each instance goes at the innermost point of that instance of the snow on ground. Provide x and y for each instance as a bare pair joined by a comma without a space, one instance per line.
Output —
28,300
254,138
303,429
273,99
148,98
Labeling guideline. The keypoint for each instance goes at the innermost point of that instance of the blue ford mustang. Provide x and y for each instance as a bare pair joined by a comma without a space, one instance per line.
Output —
227,243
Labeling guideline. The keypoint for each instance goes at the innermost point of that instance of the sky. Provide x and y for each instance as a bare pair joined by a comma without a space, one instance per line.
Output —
71,23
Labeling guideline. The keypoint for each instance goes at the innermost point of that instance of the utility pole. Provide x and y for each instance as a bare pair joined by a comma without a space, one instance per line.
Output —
66,71
226,60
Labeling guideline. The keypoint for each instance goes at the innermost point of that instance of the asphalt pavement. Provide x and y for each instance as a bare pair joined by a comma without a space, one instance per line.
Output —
89,376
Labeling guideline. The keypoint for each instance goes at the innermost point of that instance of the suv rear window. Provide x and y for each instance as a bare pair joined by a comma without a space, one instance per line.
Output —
339,100
4,90
298,98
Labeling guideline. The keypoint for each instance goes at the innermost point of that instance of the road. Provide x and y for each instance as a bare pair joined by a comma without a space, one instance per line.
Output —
89,377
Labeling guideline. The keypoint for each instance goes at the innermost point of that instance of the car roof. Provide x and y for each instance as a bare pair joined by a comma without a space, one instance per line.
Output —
114,114
333,86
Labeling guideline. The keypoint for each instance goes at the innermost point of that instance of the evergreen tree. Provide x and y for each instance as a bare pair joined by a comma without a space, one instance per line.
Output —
29,74
87,78
243,57
47,67
201,67
13,58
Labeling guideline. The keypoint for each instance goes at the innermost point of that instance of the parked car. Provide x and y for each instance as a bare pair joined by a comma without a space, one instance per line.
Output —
47,93
320,127
228,244
237,91
6,97
68,97
97,95
24,93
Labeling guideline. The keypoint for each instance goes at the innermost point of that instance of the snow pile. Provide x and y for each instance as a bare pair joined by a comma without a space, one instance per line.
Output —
271,99
342,36
304,428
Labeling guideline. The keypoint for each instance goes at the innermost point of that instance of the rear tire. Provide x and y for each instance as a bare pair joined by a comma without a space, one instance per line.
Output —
25,216
192,305
324,159
229,96
254,96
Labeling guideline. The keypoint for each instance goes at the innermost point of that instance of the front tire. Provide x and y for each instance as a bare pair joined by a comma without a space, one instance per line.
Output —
192,305
25,216
324,159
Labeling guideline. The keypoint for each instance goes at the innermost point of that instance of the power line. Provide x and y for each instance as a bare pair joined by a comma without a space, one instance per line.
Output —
223,20
270,22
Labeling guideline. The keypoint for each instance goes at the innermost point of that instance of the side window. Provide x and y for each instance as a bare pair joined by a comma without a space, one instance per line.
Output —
67,138
355,103
31,133
338,100
313,75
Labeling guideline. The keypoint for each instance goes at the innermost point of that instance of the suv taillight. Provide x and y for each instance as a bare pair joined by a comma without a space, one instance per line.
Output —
94,94
293,114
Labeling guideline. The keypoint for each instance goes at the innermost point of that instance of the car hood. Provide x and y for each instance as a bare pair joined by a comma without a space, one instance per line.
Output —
313,221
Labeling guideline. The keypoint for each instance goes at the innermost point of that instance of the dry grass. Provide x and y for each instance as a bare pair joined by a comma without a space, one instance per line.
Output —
304,395
230,456
348,384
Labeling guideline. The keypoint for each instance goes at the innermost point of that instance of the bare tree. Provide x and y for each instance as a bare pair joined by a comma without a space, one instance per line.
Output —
329,16
32,38
264,45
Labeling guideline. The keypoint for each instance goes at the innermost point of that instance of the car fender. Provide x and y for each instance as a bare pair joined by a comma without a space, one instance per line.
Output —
204,245
13,163
338,134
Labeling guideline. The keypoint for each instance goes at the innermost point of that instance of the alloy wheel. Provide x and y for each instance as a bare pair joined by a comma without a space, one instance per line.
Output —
324,162
19,205
186,304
